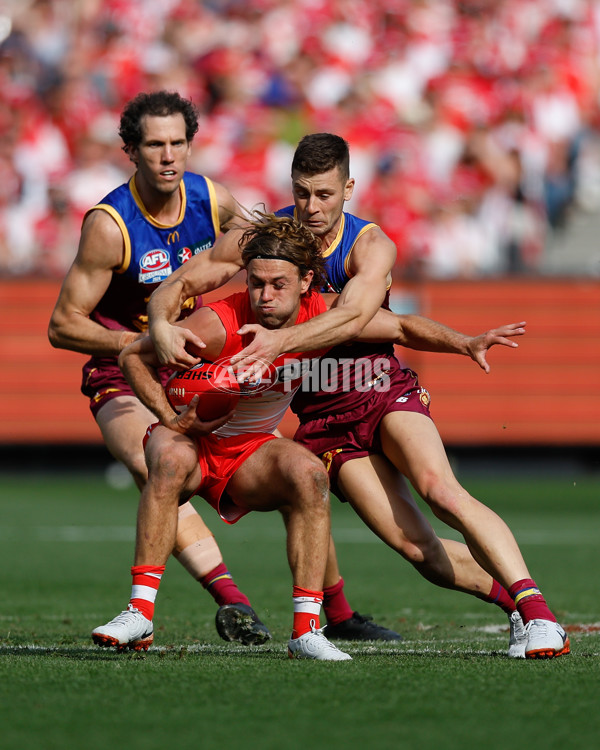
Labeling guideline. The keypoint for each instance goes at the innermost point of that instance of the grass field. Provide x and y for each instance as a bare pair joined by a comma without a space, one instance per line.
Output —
66,547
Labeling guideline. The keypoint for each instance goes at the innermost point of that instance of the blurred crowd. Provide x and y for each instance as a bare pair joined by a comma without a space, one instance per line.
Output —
473,124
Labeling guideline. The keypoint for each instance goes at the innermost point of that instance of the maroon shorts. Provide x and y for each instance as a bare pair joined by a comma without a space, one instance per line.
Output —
102,380
219,459
340,437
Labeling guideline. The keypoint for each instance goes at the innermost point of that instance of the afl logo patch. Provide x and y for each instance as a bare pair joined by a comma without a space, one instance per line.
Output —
155,265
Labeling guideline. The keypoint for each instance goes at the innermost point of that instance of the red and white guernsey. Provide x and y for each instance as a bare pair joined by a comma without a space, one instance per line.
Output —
261,407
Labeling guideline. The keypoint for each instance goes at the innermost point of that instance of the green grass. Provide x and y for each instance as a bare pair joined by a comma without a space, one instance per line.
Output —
65,551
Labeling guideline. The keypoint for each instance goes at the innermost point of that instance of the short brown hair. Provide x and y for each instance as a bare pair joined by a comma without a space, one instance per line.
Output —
321,152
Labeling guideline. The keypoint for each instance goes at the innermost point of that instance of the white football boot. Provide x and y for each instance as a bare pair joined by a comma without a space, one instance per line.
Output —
314,645
130,629
545,640
518,637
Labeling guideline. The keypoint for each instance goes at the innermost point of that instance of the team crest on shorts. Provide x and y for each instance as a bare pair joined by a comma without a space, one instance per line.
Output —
424,397
327,458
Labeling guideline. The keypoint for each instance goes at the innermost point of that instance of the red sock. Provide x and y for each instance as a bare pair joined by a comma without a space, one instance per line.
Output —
146,580
530,602
221,586
307,607
335,604
499,596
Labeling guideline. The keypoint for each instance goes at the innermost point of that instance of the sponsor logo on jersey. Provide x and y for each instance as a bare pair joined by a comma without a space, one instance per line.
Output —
199,247
184,254
155,266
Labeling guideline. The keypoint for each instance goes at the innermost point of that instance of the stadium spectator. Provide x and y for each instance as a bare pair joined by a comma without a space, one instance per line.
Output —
441,69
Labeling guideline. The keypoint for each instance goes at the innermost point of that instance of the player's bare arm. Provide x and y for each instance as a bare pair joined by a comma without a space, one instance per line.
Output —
230,211
139,363
370,266
420,333
100,252
204,272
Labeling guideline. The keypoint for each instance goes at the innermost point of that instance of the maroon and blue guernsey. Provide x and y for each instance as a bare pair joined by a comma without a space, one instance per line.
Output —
346,375
152,251
348,392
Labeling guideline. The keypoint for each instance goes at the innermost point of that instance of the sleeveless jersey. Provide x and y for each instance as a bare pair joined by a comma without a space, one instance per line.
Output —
346,377
153,250
261,407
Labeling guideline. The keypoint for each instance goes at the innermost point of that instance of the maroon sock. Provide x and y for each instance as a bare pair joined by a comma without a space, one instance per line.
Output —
221,586
530,602
335,604
499,596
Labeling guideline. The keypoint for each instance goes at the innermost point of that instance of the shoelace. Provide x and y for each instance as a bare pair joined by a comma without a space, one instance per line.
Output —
517,624
126,614
320,634
541,624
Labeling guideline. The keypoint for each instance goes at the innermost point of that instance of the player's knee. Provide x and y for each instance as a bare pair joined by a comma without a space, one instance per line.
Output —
310,480
417,548
173,463
443,497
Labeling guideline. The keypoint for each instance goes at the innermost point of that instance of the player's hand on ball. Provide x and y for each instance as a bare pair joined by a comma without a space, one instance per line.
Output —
188,423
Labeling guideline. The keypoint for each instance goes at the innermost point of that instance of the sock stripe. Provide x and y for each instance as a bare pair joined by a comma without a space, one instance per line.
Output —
224,576
144,592
524,593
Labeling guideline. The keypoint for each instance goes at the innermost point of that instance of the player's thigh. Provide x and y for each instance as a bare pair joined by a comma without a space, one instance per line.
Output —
123,422
381,497
412,443
276,475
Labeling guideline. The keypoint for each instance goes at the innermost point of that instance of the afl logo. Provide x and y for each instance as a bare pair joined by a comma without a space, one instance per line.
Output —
183,255
155,266
154,260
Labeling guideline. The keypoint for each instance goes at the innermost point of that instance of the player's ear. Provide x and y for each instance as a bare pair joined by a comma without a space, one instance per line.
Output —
348,188
305,282
132,153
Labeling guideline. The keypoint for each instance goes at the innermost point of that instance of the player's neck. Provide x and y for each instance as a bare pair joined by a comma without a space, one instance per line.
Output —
328,239
163,207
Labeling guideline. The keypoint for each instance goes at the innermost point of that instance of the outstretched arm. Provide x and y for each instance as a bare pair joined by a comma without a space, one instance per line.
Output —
417,332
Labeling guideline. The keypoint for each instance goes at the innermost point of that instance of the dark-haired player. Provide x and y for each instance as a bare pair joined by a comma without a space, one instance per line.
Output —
130,242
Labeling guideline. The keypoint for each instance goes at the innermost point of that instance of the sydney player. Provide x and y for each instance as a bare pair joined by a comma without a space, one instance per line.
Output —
241,466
